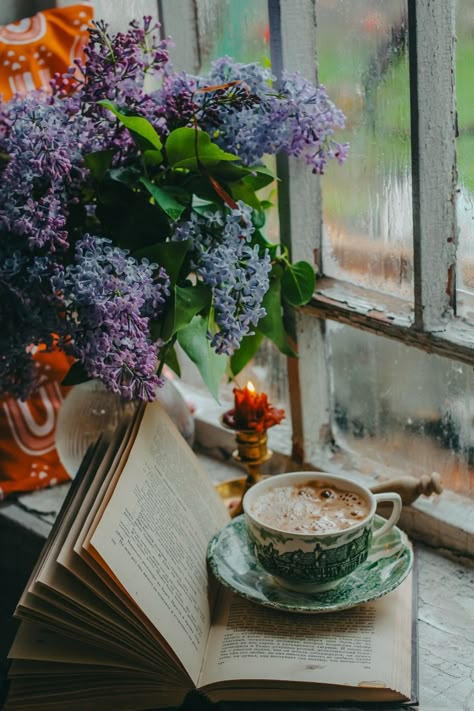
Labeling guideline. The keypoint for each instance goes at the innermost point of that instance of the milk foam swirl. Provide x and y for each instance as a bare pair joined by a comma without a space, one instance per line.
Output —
313,507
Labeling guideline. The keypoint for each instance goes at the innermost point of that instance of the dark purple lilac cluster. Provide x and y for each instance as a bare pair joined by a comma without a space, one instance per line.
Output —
44,166
31,313
109,299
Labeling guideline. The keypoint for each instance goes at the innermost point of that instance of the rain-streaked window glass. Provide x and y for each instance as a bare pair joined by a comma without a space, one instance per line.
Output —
237,29
400,408
465,156
363,62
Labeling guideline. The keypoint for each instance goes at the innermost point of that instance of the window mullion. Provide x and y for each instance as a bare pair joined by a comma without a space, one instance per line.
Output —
293,48
180,21
431,37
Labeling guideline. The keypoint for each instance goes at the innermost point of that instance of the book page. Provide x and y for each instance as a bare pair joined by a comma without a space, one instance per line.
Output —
357,647
154,533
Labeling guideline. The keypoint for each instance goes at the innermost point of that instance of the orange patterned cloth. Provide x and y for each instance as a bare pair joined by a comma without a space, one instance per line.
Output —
28,456
31,52
34,49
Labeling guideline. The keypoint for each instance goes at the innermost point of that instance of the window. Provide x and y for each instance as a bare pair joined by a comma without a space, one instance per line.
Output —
384,383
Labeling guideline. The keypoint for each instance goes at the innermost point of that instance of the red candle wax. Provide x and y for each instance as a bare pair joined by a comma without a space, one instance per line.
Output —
252,411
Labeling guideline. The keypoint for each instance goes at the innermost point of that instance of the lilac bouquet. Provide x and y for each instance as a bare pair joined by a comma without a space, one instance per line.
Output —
130,220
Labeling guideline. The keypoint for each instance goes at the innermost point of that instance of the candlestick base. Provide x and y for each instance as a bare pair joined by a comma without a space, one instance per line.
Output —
252,451
232,492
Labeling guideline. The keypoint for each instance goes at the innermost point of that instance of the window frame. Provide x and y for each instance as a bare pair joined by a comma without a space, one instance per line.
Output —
430,323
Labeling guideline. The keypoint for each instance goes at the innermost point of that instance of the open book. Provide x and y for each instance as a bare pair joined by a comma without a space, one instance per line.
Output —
122,613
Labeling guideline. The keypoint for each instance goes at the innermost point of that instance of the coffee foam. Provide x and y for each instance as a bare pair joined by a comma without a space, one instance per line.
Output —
313,507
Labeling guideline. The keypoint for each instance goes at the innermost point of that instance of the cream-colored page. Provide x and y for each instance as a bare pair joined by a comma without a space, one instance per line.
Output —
42,644
360,646
154,535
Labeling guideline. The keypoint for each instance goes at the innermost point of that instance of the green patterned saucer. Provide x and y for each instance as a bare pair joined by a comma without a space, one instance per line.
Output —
232,562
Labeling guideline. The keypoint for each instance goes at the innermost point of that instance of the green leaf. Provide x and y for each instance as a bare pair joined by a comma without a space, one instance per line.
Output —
152,158
261,240
202,207
172,200
185,145
260,178
75,375
242,191
189,301
249,345
229,172
171,360
272,325
297,283
143,132
99,162
127,175
155,330
202,188
128,217
194,342
169,255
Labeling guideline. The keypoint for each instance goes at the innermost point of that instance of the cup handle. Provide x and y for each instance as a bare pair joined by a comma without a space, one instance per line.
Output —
394,516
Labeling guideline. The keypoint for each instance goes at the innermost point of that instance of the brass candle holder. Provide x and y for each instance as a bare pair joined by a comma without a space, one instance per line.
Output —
250,419
252,451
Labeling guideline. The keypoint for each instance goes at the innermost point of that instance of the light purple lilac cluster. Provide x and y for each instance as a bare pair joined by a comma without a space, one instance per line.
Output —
251,119
298,119
110,298
236,271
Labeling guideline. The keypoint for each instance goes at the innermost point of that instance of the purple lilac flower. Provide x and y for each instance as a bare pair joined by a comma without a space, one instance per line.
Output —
110,299
31,314
118,68
118,64
44,170
173,104
236,271
298,119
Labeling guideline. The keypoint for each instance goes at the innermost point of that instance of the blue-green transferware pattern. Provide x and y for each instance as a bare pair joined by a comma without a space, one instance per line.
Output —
231,560
310,563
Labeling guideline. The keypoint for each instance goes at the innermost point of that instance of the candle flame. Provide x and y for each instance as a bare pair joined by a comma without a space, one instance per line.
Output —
250,386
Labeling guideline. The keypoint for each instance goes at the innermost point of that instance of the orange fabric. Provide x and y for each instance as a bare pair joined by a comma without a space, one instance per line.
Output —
28,457
34,49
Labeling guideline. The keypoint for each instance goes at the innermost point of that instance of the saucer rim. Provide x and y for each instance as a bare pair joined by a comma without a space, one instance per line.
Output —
295,608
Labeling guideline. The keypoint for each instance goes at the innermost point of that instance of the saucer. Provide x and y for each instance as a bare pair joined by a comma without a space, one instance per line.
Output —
231,560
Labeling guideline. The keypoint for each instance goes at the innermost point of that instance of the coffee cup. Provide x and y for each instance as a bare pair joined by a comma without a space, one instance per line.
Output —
310,546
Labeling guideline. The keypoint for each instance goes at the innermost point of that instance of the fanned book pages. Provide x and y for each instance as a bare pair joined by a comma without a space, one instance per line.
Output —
121,611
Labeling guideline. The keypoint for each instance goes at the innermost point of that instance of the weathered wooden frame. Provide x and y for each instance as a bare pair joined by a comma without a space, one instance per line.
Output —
429,322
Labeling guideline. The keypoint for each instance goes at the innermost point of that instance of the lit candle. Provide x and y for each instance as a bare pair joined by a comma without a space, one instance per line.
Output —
252,411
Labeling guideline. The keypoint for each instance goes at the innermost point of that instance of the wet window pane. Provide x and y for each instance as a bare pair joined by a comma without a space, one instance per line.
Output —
363,62
465,155
402,408
238,29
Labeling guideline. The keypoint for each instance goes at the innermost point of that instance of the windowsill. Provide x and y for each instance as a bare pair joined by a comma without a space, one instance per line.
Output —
445,521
